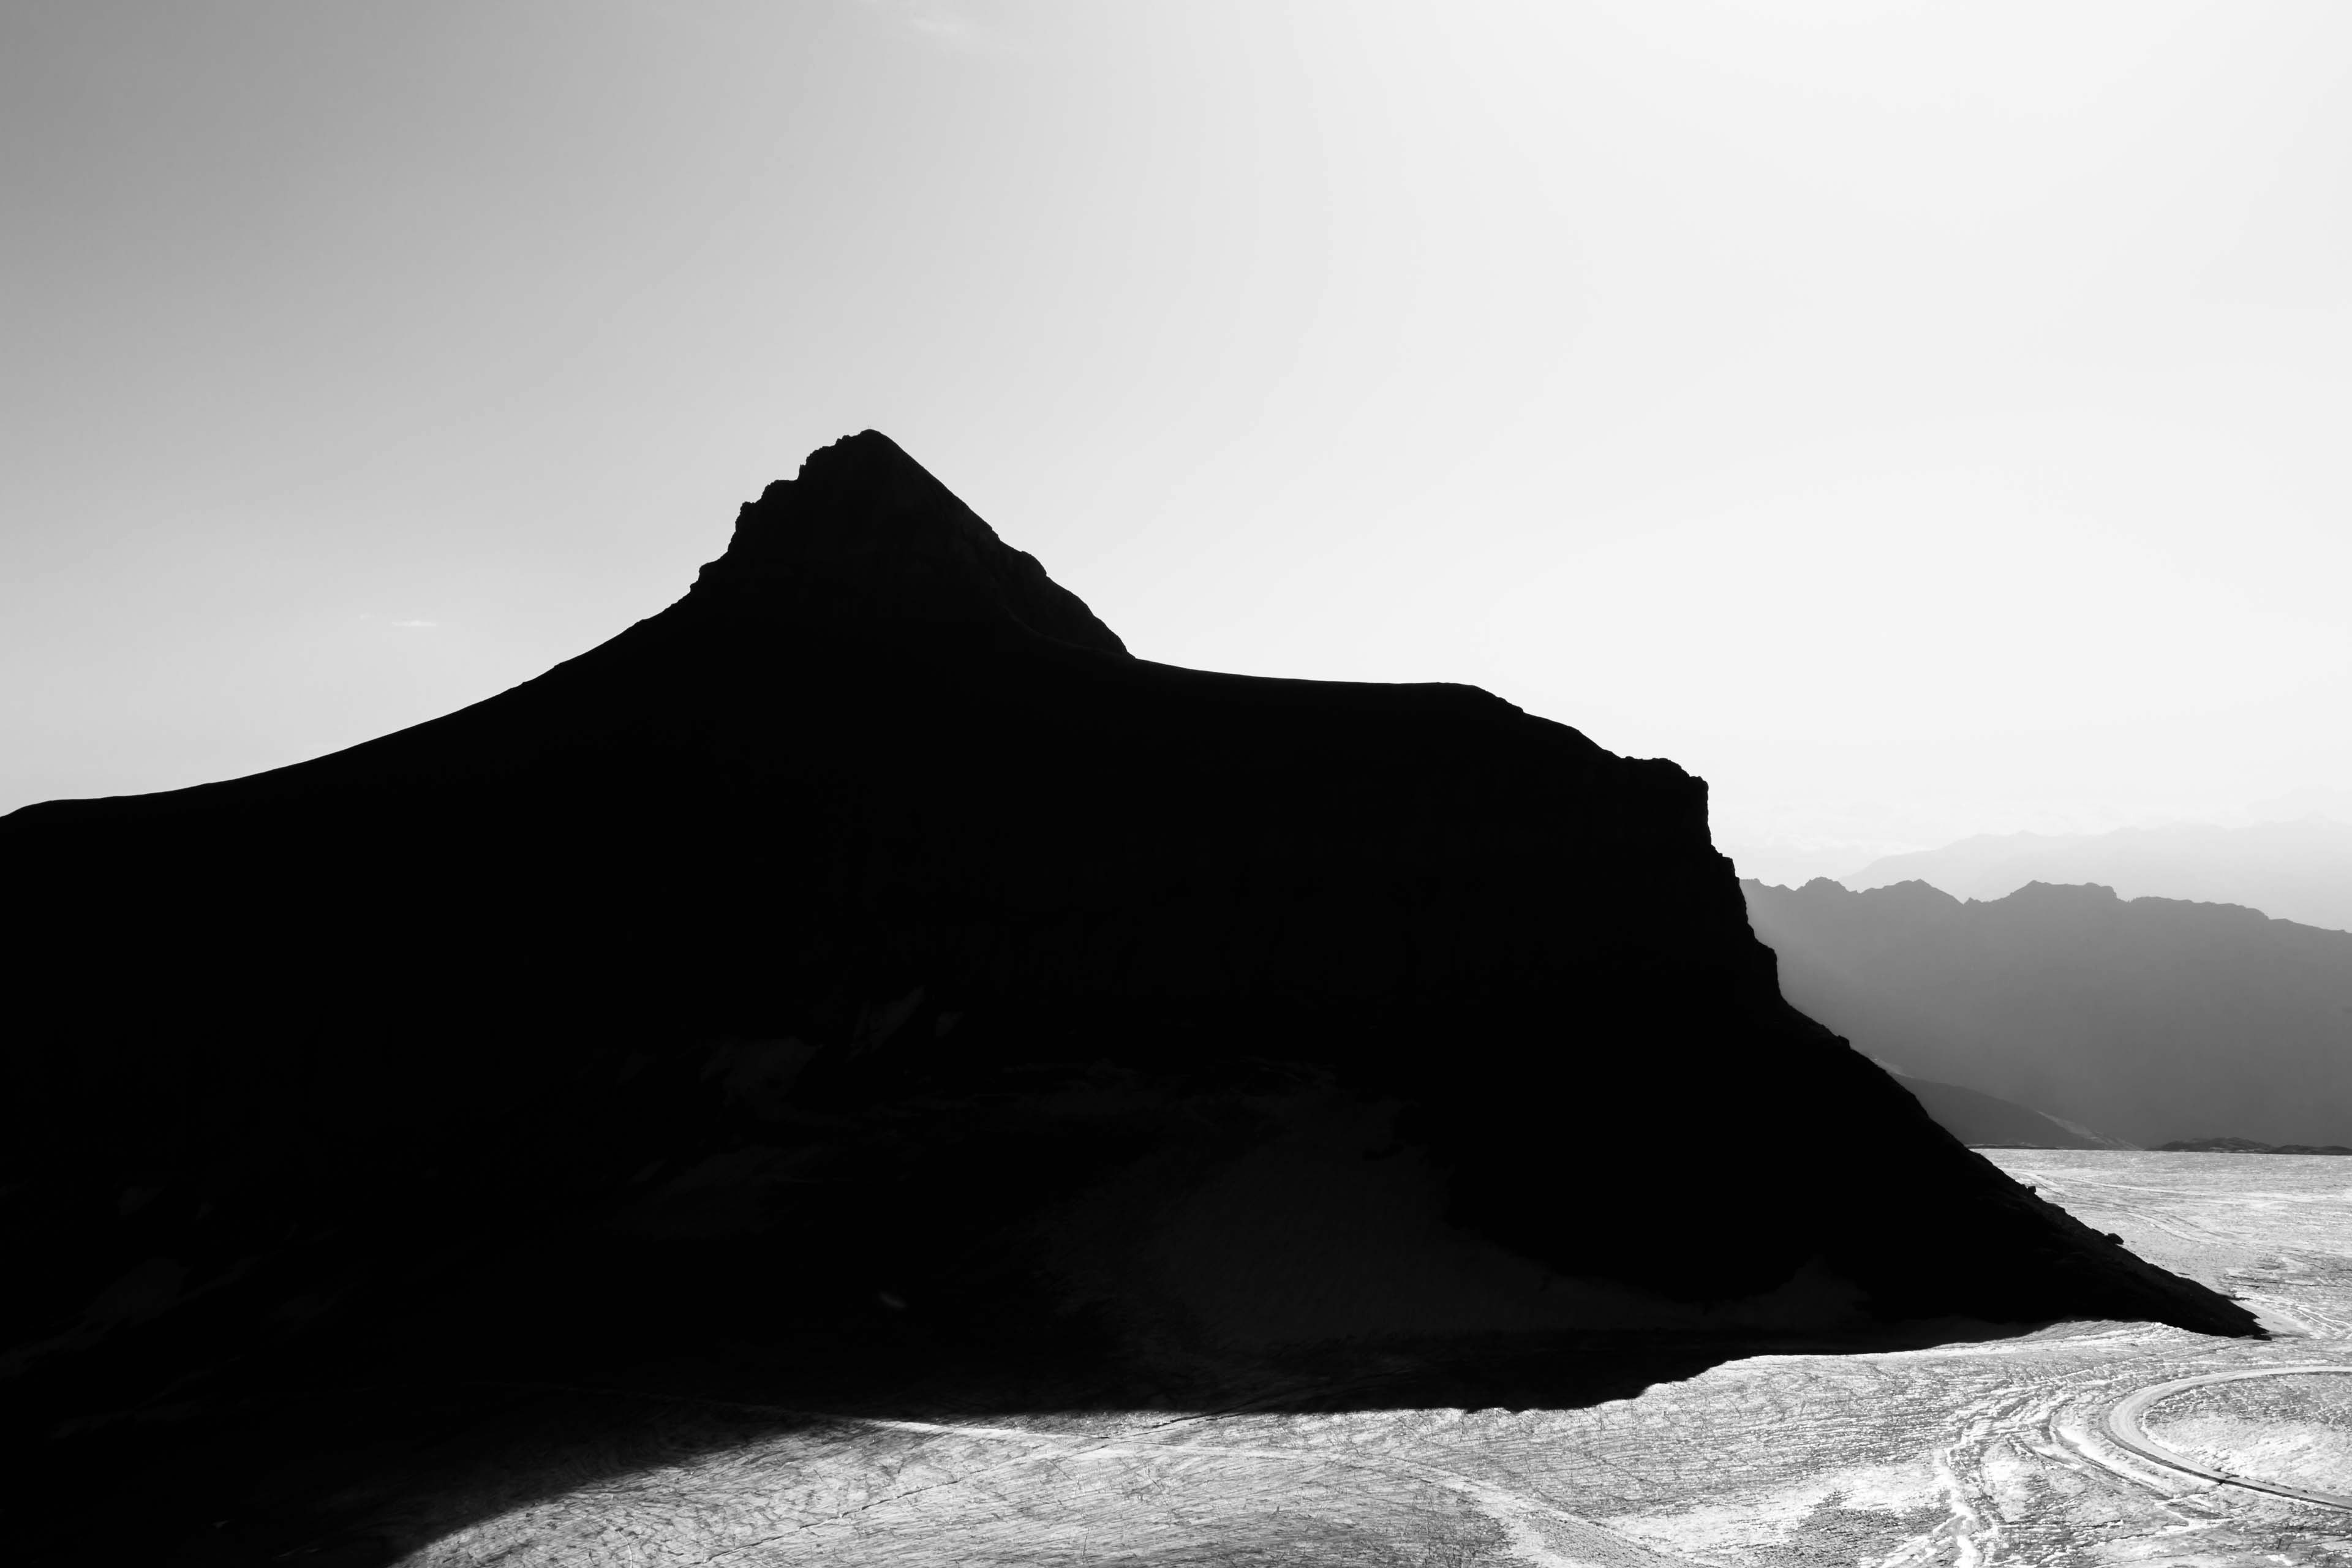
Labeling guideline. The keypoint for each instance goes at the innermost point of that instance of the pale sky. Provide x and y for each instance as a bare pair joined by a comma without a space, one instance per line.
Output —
1918,419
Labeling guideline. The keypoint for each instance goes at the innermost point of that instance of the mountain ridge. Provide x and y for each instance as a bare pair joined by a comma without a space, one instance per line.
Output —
2148,1019
2298,869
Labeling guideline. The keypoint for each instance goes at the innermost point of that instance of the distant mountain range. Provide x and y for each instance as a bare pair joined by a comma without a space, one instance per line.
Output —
2294,871
2148,1020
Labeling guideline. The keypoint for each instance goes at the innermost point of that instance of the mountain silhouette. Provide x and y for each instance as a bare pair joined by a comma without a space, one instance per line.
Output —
2294,869
866,977
2149,1019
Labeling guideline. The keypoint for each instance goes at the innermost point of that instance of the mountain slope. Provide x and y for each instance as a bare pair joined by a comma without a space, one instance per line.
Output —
1988,1121
2151,1019
866,975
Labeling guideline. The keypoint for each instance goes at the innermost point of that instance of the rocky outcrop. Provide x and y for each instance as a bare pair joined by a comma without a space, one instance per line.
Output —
867,951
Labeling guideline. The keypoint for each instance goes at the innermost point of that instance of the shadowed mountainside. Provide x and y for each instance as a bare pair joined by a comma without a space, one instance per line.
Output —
2149,1019
2292,871
865,977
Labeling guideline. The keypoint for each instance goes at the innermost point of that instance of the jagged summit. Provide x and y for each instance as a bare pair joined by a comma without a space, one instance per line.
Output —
866,533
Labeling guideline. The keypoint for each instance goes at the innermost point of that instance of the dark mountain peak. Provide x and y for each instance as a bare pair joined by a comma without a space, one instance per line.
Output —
865,533
861,986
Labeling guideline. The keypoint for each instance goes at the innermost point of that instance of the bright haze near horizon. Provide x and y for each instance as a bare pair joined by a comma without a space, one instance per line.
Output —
1919,420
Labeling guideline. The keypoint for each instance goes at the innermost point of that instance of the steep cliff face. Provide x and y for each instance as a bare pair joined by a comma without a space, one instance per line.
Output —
871,917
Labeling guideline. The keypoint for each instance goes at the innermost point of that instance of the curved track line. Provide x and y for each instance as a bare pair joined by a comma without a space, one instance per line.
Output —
2123,1425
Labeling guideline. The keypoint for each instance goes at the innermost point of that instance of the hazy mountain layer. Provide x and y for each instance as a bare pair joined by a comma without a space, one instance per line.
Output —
2148,1019
1985,1121
2297,871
